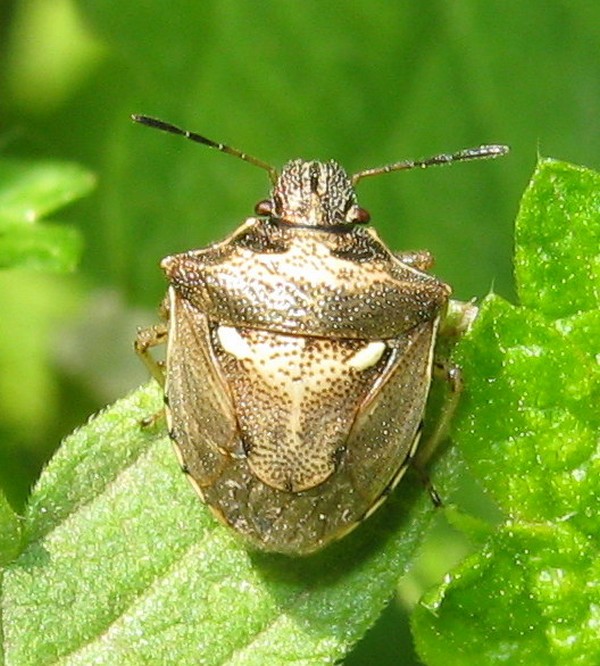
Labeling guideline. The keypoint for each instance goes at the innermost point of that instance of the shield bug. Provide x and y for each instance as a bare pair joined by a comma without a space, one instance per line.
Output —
299,357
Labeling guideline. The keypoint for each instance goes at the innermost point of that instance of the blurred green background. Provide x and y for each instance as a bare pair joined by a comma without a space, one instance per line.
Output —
366,83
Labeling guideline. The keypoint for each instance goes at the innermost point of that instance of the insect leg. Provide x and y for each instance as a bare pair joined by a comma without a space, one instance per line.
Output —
452,374
146,339
458,320
422,260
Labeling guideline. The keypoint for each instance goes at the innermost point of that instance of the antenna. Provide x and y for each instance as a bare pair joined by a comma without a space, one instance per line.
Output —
482,152
192,136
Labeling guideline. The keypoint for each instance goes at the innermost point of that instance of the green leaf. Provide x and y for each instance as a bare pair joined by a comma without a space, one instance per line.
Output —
28,193
122,564
558,240
10,531
529,429
532,388
54,248
526,598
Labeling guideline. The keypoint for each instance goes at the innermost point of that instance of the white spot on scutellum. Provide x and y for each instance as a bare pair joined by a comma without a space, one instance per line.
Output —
233,343
368,356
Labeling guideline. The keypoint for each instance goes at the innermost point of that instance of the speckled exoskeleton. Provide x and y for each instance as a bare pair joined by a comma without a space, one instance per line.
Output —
299,358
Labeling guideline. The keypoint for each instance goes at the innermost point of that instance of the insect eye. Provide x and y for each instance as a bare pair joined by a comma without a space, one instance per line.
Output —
264,207
362,216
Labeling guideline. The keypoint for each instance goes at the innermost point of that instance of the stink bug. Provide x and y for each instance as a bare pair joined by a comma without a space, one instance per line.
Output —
299,357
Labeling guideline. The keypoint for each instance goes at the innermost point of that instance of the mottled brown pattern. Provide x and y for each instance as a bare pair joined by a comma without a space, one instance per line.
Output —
296,400
298,363
307,289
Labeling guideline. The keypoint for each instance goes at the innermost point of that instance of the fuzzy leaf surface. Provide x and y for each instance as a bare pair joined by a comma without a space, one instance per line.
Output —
121,563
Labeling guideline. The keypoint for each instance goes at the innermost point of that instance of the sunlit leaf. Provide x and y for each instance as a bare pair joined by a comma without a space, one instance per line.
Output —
529,429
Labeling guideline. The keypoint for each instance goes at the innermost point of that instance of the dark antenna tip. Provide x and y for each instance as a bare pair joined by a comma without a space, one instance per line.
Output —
198,138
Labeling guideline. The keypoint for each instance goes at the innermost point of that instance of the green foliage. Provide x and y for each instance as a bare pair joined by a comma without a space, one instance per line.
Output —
557,239
368,85
10,532
34,253
120,563
28,193
32,300
529,431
